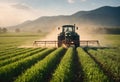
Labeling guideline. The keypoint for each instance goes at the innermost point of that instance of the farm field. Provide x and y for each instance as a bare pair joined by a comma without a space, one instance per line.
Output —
57,64
112,40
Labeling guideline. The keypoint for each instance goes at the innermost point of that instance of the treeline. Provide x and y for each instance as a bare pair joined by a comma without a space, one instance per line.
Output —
107,30
17,30
113,30
3,30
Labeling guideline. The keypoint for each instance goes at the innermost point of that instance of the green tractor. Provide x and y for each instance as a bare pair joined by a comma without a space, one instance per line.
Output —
68,36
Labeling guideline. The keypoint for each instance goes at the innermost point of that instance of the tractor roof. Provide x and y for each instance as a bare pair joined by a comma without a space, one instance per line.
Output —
68,26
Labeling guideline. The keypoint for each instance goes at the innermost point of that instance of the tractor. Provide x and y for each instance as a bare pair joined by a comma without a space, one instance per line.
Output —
68,36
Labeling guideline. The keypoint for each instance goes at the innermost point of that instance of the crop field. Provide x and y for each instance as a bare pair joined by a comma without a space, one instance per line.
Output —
88,64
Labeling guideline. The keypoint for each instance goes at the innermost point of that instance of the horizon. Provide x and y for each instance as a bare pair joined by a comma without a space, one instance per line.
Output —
18,11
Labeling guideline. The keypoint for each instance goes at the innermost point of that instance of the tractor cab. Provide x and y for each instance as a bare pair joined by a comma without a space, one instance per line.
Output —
68,36
68,28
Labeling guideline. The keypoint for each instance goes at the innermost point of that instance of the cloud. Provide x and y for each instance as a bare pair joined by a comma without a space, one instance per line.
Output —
16,13
11,14
21,6
83,0
71,1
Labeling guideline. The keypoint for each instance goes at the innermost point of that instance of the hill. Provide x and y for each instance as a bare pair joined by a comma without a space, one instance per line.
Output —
102,17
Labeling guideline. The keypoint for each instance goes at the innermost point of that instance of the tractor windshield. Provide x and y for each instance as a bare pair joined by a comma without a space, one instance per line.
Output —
67,29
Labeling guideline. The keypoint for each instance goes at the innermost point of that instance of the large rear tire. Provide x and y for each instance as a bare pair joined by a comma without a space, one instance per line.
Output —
59,43
77,45
77,42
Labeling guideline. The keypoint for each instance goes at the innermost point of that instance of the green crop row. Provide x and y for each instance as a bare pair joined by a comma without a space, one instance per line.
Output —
92,72
14,53
41,70
6,48
10,72
18,57
108,64
9,51
113,54
64,72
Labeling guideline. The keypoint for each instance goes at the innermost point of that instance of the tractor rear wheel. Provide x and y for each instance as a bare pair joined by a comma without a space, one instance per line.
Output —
77,43
59,43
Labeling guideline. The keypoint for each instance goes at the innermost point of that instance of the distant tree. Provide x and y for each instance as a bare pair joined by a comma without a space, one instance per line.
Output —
4,30
39,31
17,30
0,30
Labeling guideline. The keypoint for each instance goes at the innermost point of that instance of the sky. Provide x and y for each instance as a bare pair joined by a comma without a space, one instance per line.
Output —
13,12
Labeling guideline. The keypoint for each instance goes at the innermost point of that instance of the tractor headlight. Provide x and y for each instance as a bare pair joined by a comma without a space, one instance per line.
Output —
67,35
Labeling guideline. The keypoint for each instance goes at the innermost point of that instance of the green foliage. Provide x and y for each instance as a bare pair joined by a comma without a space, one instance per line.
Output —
35,65
40,70
110,61
64,72
92,72
16,68
11,53
18,57
5,53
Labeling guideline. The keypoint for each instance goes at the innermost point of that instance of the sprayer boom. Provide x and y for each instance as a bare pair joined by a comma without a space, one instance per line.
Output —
68,37
54,43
